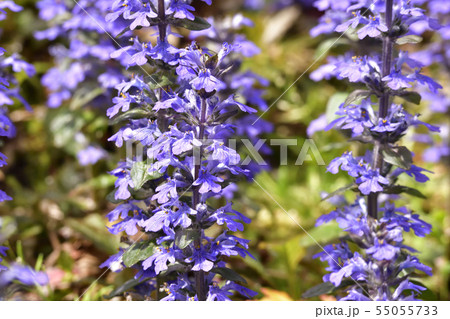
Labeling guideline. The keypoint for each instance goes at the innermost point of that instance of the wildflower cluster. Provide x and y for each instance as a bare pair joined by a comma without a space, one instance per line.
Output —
436,54
247,85
9,91
382,270
181,117
83,64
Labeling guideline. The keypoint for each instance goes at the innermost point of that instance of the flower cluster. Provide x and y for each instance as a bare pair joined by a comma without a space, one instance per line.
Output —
247,85
370,116
181,116
9,91
84,63
436,53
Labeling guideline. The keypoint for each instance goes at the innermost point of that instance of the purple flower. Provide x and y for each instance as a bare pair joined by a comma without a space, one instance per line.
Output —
202,259
208,182
207,81
370,182
160,259
373,29
141,18
90,155
23,274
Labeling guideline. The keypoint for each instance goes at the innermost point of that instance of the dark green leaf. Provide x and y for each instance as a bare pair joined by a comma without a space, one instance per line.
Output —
140,175
197,25
409,96
426,295
340,191
173,267
229,274
133,114
356,95
121,33
124,288
137,252
225,116
186,236
159,81
141,194
398,189
409,39
111,198
326,288
321,289
400,157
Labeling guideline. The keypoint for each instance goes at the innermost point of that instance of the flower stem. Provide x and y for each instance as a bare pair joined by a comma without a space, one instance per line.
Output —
162,26
200,284
383,111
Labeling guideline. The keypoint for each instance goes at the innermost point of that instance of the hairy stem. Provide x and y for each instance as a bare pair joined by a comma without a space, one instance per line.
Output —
388,45
200,284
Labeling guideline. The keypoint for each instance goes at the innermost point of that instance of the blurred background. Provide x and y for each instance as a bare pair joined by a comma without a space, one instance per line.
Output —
56,220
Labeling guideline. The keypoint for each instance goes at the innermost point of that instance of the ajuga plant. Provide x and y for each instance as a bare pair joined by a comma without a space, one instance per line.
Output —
247,85
82,62
9,91
172,109
436,54
372,262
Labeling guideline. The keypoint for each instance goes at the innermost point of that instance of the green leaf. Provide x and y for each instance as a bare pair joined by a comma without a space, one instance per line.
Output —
158,81
133,114
173,267
121,33
426,295
111,197
326,288
409,96
186,236
142,193
356,95
409,39
400,157
137,252
340,191
333,105
123,288
140,175
320,289
398,189
229,274
197,25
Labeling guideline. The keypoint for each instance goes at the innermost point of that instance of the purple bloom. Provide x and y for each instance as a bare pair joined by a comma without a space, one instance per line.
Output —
397,81
160,259
208,183
207,81
91,155
23,274
370,182
202,260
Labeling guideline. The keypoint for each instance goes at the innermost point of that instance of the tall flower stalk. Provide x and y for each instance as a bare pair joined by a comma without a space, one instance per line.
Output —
9,92
383,267
182,123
